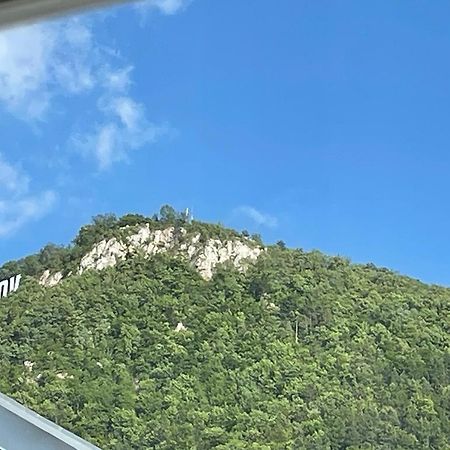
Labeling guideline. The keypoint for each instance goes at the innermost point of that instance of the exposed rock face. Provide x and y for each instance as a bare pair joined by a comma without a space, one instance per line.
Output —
217,252
64,375
180,327
28,365
204,256
152,242
104,254
50,279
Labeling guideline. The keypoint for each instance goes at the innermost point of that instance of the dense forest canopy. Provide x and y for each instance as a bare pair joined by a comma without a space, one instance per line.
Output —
302,351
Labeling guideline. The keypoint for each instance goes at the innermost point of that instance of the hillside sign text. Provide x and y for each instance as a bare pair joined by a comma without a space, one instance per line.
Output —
8,286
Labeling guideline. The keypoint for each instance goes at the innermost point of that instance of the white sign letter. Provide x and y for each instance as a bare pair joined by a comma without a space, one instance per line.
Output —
14,283
3,288
8,286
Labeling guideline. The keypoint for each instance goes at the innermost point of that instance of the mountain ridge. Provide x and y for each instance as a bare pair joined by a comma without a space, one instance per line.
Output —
300,350
53,263
108,239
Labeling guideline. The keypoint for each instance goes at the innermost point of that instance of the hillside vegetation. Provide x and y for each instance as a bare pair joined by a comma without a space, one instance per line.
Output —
301,351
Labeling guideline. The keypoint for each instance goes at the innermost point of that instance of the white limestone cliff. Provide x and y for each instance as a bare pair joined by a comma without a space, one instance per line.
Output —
50,279
104,254
180,327
216,252
204,256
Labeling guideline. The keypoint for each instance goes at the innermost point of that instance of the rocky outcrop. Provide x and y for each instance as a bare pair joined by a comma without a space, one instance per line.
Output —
64,376
104,254
203,255
49,279
153,242
28,365
180,327
217,252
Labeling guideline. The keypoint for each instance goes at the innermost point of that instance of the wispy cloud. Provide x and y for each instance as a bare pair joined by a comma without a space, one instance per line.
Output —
11,179
119,79
44,65
257,216
17,205
41,62
122,123
168,7
125,128
44,62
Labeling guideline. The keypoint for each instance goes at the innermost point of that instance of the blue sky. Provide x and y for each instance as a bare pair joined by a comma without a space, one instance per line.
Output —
324,124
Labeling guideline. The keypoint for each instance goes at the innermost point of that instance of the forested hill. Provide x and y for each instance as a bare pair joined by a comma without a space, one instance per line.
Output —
283,350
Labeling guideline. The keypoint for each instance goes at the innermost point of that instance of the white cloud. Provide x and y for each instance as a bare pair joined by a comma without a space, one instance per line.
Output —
44,62
11,179
125,128
118,80
24,55
130,113
17,205
258,217
38,62
168,7
15,214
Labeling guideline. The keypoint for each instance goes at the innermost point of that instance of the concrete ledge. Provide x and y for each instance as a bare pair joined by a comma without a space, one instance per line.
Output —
23,429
